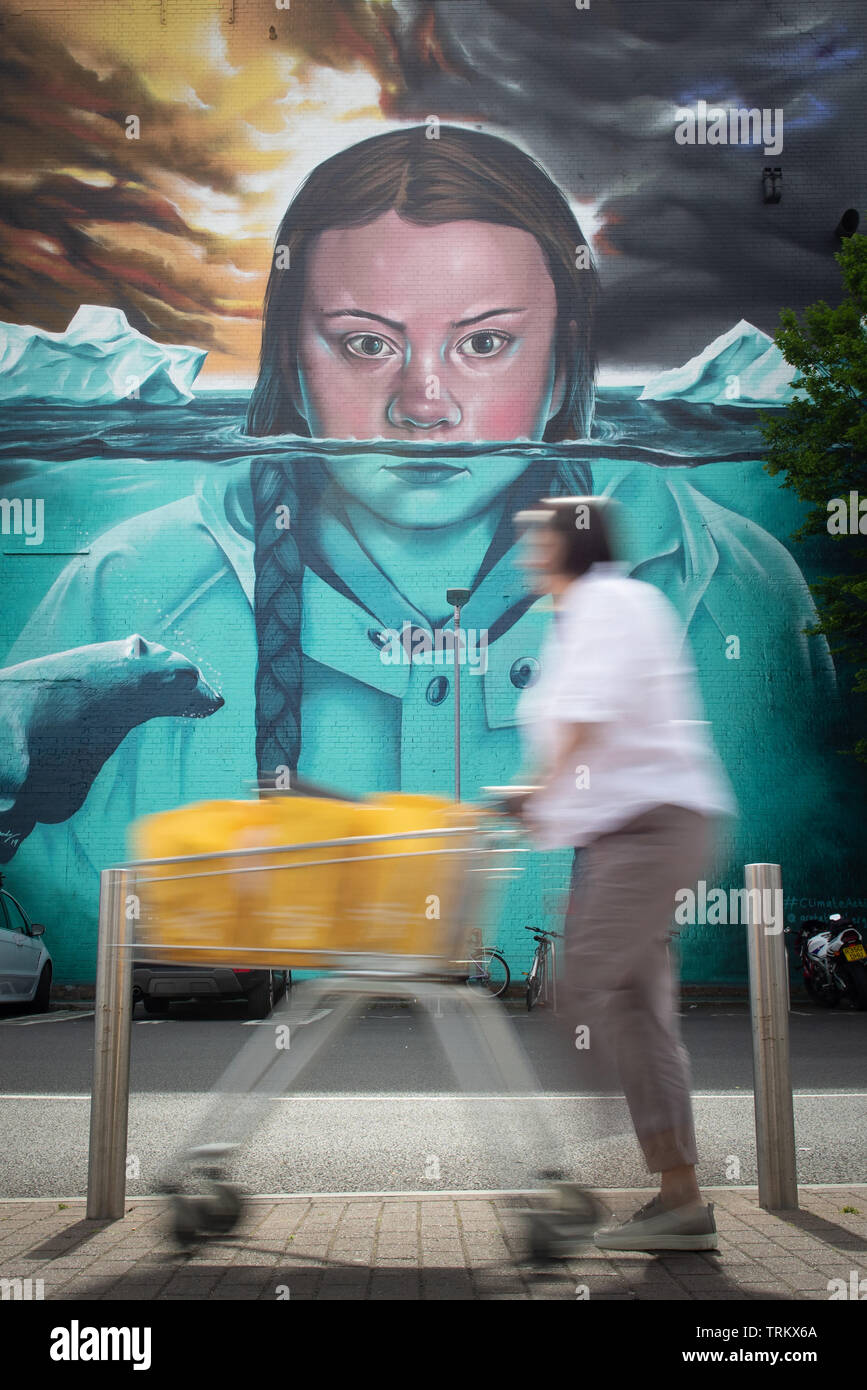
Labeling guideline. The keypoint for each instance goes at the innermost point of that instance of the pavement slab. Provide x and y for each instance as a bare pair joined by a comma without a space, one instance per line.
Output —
428,1248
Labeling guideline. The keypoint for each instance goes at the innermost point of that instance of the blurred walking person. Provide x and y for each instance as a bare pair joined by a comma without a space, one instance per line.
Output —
627,775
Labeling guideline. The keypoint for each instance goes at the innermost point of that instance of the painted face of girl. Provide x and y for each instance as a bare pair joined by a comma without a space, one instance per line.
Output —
431,335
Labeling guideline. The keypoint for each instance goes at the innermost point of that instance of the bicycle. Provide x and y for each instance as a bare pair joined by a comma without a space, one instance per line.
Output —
489,971
538,974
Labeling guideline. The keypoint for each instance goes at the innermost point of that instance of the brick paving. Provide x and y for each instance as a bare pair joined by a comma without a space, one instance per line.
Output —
433,1247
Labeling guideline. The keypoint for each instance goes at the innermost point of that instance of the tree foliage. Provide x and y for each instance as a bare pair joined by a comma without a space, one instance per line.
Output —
820,443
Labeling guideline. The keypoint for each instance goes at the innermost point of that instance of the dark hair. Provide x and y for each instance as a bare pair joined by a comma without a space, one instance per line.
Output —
461,175
586,525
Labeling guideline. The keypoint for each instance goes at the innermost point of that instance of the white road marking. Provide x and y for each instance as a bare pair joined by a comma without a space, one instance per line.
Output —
295,1023
60,1016
44,1096
339,1097
557,1096
469,1194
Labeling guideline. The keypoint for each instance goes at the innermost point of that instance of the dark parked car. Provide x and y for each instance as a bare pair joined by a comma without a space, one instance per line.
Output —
157,986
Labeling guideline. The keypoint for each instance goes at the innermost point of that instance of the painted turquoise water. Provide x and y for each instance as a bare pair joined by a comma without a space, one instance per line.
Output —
151,528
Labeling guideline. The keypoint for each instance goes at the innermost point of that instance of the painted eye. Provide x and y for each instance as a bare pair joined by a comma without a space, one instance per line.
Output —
369,345
484,343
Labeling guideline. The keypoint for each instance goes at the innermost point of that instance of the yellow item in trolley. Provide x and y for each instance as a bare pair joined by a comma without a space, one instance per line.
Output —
315,905
405,895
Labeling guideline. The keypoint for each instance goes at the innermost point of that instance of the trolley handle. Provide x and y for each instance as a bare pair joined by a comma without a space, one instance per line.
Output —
509,800
300,787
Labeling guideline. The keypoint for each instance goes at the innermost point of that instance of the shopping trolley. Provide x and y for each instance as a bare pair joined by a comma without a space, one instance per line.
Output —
377,896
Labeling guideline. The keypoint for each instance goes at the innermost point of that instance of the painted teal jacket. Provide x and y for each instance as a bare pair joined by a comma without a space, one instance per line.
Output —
182,575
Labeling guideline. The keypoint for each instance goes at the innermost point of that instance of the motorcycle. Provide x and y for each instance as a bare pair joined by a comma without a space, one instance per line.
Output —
833,962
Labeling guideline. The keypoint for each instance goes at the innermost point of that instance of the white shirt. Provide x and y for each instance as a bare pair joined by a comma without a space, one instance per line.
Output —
616,658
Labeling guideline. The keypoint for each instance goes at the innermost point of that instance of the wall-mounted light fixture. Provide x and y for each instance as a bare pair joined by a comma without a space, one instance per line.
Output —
772,183
848,224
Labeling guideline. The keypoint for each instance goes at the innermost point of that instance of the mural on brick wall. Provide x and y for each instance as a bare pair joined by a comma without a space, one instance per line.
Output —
489,283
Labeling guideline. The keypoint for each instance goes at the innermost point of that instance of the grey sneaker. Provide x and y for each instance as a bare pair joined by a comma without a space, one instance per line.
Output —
655,1227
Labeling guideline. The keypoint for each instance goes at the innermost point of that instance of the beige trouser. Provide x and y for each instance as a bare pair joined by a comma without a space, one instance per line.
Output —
618,980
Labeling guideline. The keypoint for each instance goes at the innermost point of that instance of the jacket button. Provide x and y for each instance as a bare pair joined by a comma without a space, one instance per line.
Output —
437,690
524,672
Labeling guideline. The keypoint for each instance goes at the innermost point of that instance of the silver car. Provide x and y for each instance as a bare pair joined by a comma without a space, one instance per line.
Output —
25,963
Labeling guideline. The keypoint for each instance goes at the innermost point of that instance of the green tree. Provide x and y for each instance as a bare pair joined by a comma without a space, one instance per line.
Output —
820,443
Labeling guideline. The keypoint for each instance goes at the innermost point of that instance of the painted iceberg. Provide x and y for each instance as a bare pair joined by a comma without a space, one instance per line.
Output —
97,360
741,367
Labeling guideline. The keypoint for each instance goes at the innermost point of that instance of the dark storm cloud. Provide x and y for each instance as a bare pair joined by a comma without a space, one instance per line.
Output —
688,246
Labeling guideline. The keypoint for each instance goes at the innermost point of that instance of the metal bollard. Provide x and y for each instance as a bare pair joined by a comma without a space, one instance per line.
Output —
109,1108
769,1010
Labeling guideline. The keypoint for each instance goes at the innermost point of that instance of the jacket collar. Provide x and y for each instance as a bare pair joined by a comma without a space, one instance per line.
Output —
666,525
668,536
226,509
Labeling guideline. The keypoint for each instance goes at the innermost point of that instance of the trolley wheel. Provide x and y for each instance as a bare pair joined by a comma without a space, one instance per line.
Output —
222,1210
185,1219
540,1243
566,1228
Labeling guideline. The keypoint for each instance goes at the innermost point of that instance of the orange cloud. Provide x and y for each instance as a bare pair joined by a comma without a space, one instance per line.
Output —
151,152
